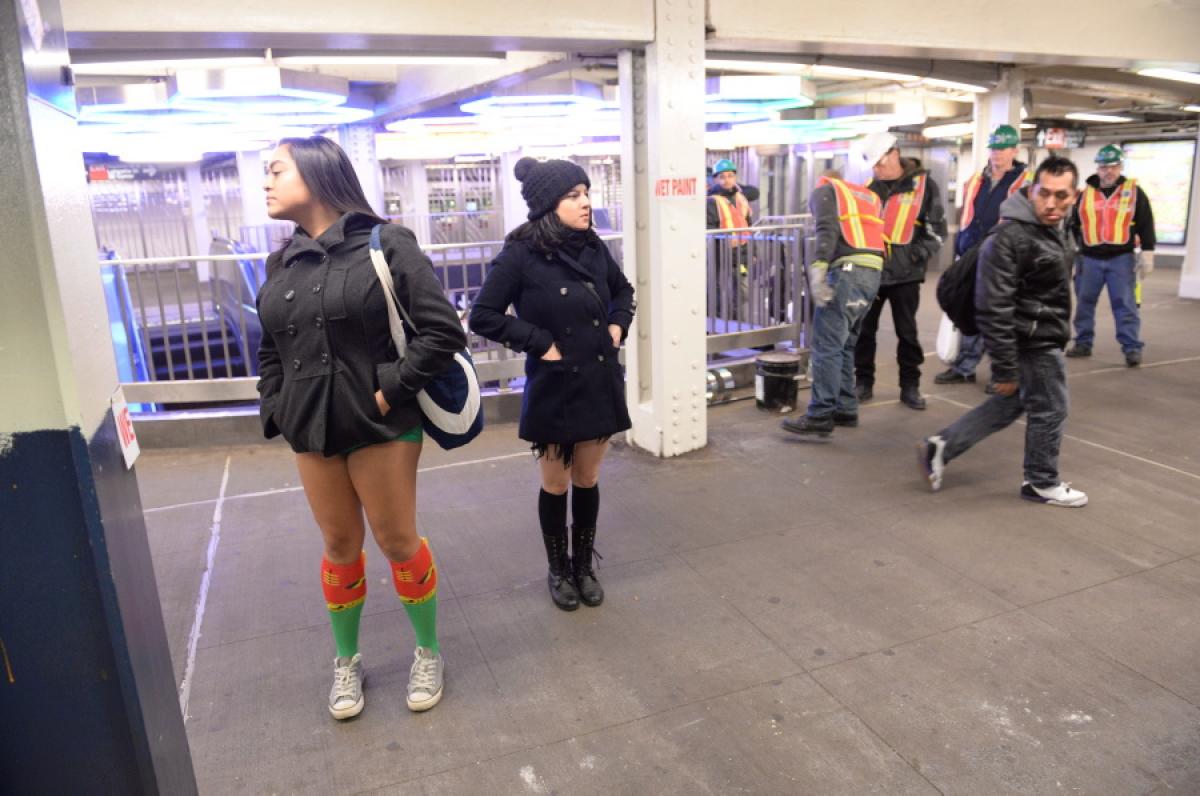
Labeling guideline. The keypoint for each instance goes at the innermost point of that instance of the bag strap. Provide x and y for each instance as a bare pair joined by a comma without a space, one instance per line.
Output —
587,275
395,309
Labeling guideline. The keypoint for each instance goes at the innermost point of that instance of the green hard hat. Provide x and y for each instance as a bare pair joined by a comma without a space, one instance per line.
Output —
1003,137
724,164
1109,155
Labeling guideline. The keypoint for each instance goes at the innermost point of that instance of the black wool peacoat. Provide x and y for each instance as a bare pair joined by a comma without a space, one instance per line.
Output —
326,345
568,301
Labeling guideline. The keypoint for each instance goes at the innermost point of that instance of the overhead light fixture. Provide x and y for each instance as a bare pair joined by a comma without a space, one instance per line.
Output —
1192,108
954,85
953,130
1098,117
266,89
1171,74
386,60
806,70
532,105
1025,126
162,64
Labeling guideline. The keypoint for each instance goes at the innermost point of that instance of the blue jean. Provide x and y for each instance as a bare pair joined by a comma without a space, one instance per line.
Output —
1119,274
1042,396
835,334
970,352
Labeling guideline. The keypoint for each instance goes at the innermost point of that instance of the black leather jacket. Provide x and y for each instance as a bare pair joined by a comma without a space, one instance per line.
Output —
1022,287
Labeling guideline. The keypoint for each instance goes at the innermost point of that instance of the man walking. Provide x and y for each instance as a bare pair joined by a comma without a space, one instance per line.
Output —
843,280
1023,310
982,197
1112,219
914,224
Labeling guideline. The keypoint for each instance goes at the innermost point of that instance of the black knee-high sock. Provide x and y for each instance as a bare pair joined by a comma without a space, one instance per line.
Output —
585,505
552,513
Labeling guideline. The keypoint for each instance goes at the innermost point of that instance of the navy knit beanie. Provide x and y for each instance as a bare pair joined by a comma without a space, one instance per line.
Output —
543,184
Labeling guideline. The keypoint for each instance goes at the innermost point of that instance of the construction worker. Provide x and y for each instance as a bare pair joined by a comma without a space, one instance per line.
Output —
1112,220
914,225
982,197
728,207
843,279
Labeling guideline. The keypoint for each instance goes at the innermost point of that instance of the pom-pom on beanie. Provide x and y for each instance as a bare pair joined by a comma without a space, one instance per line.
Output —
544,183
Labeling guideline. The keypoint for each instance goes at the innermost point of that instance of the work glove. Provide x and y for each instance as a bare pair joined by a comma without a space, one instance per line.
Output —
1145,264
822,293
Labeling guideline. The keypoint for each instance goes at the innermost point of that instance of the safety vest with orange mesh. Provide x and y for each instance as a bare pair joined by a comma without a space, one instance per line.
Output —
732,218
859,215
1107,220
900,213
972,193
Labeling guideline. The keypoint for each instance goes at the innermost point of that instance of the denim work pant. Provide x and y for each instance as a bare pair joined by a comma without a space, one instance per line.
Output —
904,299
835,333
970,353
1120,277
1042,396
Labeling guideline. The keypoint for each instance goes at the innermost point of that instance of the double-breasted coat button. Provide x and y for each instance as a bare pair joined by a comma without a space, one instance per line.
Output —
291,330
567,330
320,321
288,296
595,322
316,288
295,364
324,359
590,284
600,357
574,368
562,290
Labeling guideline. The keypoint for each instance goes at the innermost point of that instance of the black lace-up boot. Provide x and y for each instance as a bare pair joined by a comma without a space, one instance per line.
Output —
582,550
560,579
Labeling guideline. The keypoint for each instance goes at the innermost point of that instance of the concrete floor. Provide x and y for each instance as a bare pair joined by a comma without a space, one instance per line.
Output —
783,617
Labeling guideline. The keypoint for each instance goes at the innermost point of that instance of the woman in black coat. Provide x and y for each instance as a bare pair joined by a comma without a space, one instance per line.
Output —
573,310
332,383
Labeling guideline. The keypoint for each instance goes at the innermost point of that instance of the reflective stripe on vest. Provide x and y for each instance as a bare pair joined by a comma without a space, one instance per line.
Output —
1108,220
731,217
859,213
972,193
901,211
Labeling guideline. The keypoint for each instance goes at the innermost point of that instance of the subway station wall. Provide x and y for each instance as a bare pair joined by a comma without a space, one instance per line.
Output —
1103,32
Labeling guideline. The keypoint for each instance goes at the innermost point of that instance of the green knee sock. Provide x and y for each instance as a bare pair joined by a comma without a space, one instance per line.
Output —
345,630
424,621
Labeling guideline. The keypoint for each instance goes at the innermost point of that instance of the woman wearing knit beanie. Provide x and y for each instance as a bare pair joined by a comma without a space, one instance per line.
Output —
573,310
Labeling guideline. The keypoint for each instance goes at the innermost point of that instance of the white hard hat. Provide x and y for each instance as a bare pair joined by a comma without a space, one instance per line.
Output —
872,147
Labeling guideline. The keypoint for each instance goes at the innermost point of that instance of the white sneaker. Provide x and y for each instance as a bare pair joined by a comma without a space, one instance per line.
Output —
346,697
930,457
1061,494
425,679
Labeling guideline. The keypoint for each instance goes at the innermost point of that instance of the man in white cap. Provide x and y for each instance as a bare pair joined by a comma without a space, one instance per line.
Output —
914,225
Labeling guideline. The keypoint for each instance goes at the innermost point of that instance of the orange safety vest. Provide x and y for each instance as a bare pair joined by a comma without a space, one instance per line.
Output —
1108,220
900,213
859,215
972,193
731,218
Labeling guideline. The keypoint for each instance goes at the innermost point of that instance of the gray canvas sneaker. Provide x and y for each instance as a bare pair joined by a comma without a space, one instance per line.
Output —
425,679
346,697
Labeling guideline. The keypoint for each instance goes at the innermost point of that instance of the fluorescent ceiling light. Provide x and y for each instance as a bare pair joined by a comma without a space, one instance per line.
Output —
386,60
1192,108
954,130
1025,126
808,70
137,67
1171,74
532,105
1097,117
954,84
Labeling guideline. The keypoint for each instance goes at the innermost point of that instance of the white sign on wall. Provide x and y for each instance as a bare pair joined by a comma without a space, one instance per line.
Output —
125,433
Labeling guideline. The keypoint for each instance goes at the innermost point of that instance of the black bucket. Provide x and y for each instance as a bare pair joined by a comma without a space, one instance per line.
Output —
776,378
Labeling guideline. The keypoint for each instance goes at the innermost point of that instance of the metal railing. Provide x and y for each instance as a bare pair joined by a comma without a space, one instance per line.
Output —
186,329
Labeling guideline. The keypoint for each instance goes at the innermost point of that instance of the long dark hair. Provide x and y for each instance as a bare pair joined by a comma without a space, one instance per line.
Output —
327,171
329,176
547,233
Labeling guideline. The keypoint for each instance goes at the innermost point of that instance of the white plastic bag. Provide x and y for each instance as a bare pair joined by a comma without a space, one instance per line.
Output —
949,340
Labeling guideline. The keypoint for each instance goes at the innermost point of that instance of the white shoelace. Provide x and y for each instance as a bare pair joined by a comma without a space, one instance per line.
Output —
345,684
424,675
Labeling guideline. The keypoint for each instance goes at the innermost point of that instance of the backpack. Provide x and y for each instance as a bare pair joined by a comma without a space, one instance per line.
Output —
956,289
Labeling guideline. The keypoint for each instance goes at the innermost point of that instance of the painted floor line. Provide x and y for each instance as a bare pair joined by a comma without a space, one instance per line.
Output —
1144,366
285,489
185,687
1088,442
